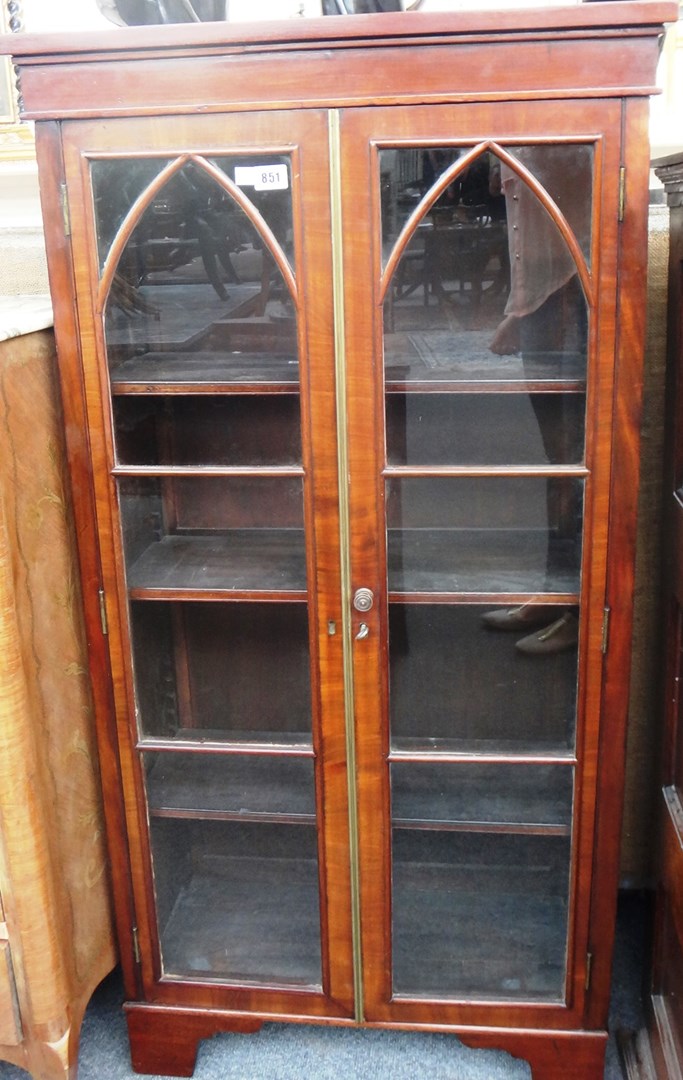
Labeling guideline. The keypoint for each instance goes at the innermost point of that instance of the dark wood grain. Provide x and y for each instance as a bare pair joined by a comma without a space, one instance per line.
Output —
163,1043
664,1013
620,542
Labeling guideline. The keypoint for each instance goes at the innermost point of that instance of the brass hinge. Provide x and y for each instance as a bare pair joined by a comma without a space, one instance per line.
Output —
66,216
622,192
589,969
136,945
605,628
103,612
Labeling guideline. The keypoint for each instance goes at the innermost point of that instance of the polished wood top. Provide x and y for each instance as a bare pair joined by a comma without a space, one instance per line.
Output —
339,31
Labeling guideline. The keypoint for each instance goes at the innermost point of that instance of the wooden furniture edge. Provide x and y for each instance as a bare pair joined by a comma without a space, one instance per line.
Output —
326,32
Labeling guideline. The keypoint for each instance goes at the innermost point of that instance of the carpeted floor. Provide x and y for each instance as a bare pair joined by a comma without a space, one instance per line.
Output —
300,1052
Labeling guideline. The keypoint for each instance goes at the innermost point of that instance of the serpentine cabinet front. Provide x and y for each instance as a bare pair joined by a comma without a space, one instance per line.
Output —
358,417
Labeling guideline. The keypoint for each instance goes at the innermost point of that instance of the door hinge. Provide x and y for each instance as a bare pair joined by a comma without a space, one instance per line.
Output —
589,969
136,945
605,628
66,216
103,612
622,192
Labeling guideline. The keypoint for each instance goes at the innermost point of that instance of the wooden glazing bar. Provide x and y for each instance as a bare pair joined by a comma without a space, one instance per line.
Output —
217,387
417,471
214,747
214,595
491,756
232,815
274,471
506,599
498,827
472,386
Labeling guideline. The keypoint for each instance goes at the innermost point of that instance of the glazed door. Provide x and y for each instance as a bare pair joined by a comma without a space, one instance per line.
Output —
209,373
479,322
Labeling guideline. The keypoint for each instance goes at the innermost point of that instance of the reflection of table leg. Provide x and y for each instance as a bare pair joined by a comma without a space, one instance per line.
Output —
464,254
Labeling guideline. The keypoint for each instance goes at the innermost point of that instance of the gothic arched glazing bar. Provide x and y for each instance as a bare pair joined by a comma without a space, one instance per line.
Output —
143,201
449,176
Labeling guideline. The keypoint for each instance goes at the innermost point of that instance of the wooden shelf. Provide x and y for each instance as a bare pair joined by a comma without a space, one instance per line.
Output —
482,797
476,934
228,787
484,562
239,564
531,751
246,563
520,798
211,741
246,920
206,373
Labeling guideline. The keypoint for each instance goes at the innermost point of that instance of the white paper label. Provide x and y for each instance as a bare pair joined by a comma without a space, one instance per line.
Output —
262,177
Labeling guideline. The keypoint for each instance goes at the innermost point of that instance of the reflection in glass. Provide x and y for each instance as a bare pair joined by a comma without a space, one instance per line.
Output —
459,684
565,171
479,916
237,902
197,296
220,672
484,534
116,184
487,290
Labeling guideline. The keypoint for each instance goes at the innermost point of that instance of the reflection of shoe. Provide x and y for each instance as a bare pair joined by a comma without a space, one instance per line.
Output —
520,618
558,637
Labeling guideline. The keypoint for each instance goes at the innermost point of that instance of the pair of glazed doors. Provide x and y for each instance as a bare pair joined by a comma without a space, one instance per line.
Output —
343,374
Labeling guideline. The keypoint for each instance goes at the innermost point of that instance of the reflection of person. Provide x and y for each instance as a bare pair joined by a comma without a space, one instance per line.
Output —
545,322
542,274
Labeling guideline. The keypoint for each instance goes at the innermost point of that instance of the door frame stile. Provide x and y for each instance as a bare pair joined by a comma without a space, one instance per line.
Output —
336,242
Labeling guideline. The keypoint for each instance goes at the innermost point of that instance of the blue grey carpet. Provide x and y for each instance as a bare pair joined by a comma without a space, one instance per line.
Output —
300,1052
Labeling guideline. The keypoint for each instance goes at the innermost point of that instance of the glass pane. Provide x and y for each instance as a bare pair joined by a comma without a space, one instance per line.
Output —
484,534
566,173
460,682
485,429
486,291
237,902
244,786
482,796
479,916
237,672
202,534
408,173
216,672
116,184
208,430
197,298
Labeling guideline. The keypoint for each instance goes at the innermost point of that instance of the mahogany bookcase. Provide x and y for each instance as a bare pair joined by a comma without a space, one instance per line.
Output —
350,321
